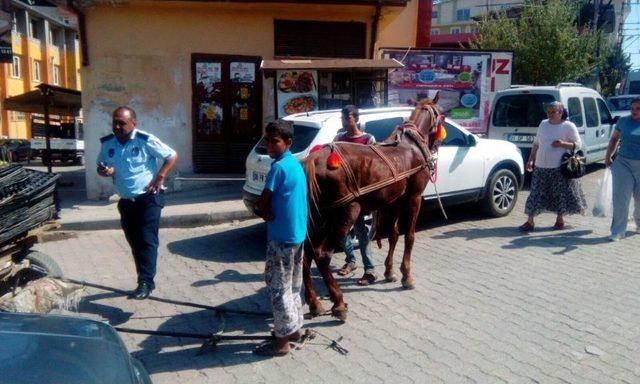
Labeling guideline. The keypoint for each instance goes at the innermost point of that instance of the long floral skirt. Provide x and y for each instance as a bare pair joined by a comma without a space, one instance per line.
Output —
552,192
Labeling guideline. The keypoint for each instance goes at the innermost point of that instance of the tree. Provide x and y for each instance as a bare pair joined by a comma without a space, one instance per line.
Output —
547,45
613,67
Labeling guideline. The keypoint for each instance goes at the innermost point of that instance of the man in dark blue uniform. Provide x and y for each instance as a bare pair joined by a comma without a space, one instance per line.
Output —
130,157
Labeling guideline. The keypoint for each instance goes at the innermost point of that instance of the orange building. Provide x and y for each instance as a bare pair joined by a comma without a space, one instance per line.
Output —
45,50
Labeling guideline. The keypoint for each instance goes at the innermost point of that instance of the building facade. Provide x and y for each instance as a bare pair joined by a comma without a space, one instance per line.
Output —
45,50
454,22
191,70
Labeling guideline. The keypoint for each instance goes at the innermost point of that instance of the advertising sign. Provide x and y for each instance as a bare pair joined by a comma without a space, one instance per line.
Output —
297,91
465,81
242,72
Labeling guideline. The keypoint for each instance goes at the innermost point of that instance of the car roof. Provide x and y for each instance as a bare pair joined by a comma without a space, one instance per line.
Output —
62,349
562,87
623,97
318,117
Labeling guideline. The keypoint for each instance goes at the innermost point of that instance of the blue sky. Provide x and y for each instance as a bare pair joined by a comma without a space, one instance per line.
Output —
631,42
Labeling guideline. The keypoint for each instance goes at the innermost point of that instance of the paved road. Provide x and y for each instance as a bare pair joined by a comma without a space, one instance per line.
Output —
491,305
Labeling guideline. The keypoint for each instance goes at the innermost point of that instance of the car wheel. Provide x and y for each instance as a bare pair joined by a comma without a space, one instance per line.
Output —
501,193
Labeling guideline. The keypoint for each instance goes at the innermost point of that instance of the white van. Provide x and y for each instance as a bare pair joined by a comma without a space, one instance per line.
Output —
517,112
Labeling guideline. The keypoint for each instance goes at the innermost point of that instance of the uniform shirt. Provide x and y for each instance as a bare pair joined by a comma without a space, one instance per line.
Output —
629,138
134,162
286,180
365,138
548,156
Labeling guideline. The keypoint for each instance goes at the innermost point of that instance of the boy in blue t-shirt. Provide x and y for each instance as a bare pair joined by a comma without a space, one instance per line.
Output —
283,205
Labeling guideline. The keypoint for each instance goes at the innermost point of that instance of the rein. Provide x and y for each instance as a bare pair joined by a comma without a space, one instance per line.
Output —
352,184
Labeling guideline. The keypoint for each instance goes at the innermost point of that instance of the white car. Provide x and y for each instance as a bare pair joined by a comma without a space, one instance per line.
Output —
470,169
621,105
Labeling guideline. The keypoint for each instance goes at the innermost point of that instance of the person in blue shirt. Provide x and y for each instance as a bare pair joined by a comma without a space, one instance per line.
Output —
130,157
625,171
283,205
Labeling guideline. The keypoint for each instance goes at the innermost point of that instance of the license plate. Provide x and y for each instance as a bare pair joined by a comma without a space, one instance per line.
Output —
258,176
522,138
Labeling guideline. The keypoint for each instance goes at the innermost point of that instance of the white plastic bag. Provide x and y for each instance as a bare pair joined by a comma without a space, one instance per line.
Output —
603,206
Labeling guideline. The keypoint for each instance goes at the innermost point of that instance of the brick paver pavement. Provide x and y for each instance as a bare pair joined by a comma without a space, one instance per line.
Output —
491,305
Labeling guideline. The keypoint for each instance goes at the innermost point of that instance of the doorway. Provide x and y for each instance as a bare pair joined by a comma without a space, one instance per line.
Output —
227,111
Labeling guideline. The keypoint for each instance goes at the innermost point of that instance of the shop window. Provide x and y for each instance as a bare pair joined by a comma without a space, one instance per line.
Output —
36,70
294,38
366,89
15,67
455,31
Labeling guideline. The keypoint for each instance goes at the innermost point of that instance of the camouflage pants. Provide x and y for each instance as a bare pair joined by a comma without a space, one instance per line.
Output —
283,275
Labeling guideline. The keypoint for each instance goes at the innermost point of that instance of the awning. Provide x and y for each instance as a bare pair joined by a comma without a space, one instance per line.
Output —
62,101
327,64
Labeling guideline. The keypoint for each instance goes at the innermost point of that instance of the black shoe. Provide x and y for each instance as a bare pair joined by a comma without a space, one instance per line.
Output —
142,292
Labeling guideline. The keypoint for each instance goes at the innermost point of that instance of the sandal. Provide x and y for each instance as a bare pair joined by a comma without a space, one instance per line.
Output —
526,227
368,278
558,226
268,349
294,337
347,268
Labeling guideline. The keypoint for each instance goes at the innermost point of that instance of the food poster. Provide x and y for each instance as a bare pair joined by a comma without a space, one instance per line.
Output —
240,72
458,77
208,77
297,91
209,119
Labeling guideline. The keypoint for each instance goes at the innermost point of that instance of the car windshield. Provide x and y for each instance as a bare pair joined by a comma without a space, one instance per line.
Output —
526,110
620,103
302,136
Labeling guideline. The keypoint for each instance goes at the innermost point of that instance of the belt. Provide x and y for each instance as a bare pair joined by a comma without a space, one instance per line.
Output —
139,197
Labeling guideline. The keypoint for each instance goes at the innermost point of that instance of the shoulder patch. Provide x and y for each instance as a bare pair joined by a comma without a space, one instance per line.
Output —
142,136
106,138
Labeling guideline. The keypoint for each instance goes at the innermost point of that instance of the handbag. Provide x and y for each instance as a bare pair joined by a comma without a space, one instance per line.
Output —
572,164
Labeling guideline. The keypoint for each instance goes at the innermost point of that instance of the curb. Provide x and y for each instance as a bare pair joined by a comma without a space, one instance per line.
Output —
173,221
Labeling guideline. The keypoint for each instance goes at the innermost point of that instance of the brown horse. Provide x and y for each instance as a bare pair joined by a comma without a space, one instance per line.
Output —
346,179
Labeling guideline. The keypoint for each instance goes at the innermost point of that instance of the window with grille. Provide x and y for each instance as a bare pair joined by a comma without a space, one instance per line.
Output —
298,38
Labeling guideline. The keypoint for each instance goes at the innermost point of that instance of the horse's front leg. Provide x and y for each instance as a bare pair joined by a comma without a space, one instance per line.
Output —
393,235
323,262
315,306
409,238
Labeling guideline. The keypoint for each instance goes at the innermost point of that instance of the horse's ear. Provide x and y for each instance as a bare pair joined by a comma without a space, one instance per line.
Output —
436,97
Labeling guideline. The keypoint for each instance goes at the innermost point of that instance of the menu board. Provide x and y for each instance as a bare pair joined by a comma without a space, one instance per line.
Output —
297,91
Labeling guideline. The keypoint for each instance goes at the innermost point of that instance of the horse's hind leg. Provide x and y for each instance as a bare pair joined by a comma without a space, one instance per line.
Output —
315,306
389,275
409,238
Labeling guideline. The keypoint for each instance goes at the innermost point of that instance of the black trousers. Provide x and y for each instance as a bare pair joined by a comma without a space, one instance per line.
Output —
140,219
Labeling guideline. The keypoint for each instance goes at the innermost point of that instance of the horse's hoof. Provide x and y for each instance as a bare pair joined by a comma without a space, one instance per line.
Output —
340,314
390,278
316,310
408,284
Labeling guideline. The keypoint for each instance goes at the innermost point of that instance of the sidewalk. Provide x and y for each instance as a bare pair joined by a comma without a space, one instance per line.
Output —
185,209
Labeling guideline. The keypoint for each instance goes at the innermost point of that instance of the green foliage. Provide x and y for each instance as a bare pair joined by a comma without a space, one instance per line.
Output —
548,47
613,67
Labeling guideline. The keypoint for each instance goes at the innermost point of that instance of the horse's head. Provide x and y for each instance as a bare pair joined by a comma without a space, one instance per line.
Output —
426,118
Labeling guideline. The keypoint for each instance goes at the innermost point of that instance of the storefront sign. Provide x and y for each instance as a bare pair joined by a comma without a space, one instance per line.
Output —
458,77
297,91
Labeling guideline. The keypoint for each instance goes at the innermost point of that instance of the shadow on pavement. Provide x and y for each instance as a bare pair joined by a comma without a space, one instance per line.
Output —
114,315
230,276
237,245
